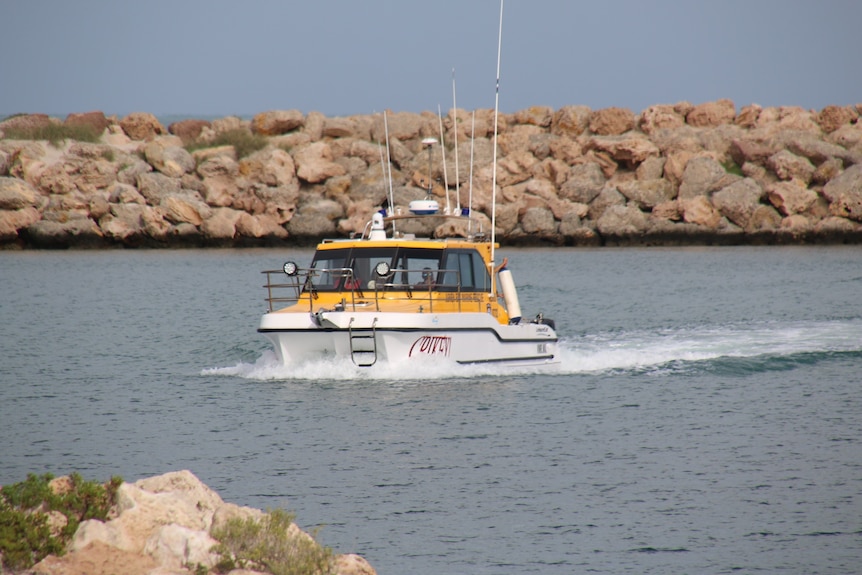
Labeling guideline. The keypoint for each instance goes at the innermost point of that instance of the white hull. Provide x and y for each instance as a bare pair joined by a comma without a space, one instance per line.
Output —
368,337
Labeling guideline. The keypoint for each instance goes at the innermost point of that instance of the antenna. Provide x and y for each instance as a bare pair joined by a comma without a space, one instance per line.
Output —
470,200
455,125
389,164
494,177
443,153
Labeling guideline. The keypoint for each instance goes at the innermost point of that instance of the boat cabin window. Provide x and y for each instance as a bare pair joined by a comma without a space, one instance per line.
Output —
413,268
467,266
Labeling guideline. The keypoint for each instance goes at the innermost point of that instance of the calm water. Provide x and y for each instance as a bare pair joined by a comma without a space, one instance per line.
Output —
706,418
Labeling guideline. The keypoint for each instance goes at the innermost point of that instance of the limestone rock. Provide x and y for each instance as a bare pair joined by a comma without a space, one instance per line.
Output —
188,130
698,210
155,186
612,121
738,201
630,150
702,175
16,194
622,221
314,163
748,116
221,225
845,194
167,155
833,117
142,126
13,220
276,122
539,221
647,193
664,117
94,120
791,198
711,114
536,116
570,121
788,166
584,182
181,208
74,229
259,226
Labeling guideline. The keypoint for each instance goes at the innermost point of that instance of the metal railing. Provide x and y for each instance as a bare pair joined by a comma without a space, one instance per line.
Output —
284,290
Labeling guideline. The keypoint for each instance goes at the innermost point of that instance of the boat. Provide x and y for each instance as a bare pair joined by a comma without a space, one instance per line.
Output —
380,297
390,296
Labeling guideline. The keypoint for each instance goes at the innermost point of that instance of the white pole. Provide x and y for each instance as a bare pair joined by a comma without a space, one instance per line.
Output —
455,124
389,164
470,201
494,177
443,153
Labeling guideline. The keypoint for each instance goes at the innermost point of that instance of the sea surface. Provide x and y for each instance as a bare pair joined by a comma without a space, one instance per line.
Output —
706,416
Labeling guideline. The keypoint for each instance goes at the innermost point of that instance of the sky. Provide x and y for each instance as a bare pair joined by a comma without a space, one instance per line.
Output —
204,58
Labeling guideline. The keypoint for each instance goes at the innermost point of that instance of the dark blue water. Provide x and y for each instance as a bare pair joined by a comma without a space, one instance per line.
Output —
706,417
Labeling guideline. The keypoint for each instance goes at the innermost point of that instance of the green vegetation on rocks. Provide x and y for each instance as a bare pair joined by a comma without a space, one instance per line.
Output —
39,516
243,141
271,545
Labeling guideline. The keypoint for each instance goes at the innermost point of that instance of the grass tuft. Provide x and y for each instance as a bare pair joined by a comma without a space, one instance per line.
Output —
54,133
243,142
269,545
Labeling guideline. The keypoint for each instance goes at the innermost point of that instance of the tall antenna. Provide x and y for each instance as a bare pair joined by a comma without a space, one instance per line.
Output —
470,200
443,153
455,124
494,177
389,164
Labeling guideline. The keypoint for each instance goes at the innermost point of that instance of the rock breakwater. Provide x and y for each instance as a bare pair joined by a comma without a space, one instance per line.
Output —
670,175
165,524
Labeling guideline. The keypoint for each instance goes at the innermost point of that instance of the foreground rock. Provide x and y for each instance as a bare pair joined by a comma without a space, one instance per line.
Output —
162,525
673,174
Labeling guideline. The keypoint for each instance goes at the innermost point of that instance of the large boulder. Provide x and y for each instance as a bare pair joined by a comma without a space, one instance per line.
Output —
738,201
788,166
833,117
647,193
142,126
314,163
155,186
93,120
571,121
698,210
845,194
791,197
539,221
188,130
612,121
584,182
622,222
663,117
16,194
13,220
711,114
277,122
70,229
167,155
628,150
702,176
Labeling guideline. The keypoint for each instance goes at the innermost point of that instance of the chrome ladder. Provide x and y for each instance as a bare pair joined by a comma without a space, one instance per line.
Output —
363,345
